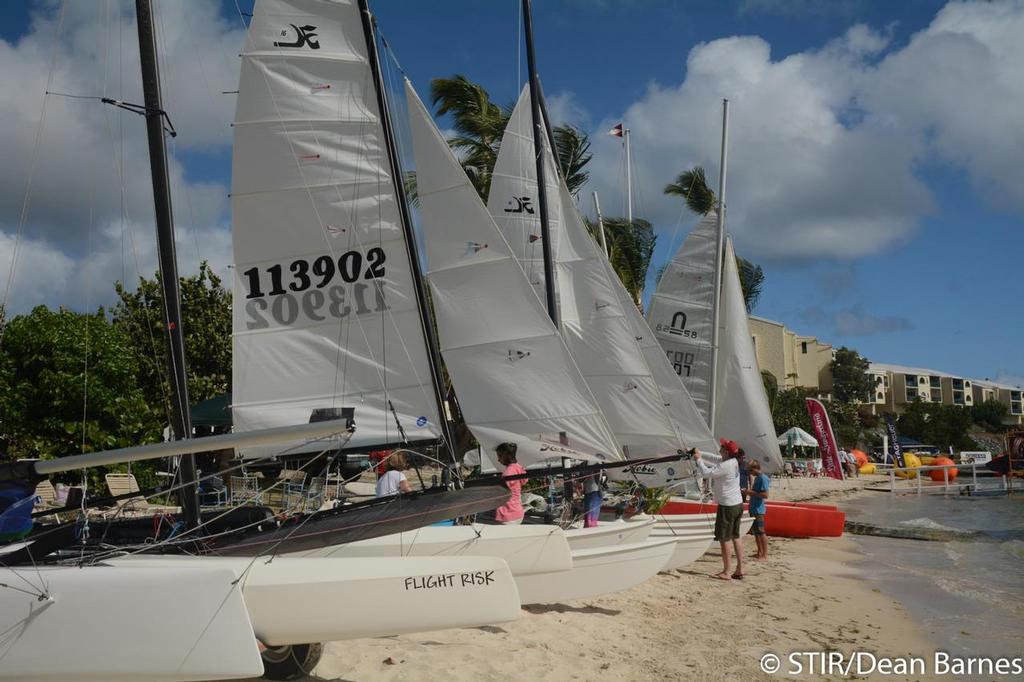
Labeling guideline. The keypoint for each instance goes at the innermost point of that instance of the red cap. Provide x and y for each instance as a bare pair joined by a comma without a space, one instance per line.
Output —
730,446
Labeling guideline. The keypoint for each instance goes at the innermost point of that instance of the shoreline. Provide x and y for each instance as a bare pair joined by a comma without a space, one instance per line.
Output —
809,596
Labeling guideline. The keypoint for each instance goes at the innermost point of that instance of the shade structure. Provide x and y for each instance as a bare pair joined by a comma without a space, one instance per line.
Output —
799,437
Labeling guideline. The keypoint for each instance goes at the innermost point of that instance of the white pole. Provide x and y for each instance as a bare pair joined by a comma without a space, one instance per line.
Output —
892,480
718,267
600,225
629,180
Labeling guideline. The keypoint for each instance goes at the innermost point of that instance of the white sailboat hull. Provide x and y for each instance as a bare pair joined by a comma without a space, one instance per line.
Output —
687,549
526,549
609,534
293,600
598,571
111,623
694,525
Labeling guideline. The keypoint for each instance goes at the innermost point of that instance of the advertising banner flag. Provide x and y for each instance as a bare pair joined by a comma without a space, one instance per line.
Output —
895,454
827,447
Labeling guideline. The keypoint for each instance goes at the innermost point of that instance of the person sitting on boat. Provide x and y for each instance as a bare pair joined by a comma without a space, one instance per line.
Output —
757,493
510,513
725,484
393,480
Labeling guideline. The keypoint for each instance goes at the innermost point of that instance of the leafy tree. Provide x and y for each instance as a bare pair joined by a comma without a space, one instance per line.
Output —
850,381
789,409
771,388
70,385
937,424
479,125
692,186
206,322
989,414
630,249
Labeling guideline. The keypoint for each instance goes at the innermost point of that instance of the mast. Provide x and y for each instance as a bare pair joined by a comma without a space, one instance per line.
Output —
395,163
181,422
720,250
600,224
538,135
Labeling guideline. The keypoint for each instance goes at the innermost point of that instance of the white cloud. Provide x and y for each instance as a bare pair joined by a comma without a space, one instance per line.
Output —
77,177
825,145
855,322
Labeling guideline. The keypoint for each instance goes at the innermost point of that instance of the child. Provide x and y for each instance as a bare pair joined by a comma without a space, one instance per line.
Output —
757,493
511,513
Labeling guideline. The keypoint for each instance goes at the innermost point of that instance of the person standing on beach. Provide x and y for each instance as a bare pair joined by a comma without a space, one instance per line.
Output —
592,499
511,513
725,485
757,493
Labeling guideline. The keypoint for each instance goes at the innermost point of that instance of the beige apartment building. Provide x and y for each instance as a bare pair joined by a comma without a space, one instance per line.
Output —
793,360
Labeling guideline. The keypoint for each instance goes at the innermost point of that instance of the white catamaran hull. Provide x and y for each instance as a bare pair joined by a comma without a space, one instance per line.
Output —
694,525
609,534
687,550
598,571
111,623
299,600
527,549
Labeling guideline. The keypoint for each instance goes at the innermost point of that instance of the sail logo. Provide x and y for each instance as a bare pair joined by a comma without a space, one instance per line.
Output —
303,36
677,327
514,355
519,205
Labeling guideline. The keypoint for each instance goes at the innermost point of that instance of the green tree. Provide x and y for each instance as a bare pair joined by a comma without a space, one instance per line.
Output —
206,322
935,424
692,186
850,381
630,249
771,388
69,385
790,409
479,124
990,414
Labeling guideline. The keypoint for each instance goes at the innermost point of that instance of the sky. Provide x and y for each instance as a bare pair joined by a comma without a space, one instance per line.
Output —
874,167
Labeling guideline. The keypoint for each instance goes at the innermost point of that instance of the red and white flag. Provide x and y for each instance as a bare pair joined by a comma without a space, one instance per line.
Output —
827,447
616,131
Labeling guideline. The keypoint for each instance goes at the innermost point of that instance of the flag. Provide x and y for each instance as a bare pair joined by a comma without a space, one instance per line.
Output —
894,444
827,447
616,131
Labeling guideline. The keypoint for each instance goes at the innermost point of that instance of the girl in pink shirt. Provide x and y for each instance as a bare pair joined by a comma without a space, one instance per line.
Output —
511,512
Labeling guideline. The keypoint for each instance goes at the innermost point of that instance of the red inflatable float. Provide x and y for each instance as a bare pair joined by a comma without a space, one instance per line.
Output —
937,474
784,519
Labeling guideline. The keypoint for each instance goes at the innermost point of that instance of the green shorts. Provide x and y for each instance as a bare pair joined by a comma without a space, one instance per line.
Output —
757,528
727,522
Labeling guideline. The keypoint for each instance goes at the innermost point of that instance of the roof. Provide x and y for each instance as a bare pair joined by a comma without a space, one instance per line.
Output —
878,367
765,320
993,384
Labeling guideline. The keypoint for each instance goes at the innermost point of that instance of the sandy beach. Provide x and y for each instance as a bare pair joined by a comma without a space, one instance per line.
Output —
678,625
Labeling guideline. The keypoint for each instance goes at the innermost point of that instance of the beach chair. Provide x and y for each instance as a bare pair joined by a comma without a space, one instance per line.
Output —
293,488
244,488
124,484
46,496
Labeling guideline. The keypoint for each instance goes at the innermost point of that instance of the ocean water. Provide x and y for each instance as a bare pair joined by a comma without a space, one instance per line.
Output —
968,593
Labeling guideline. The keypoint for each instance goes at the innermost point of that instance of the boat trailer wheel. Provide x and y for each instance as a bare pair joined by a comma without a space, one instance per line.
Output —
291,662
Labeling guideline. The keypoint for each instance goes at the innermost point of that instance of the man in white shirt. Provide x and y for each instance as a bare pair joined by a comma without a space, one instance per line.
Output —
725,486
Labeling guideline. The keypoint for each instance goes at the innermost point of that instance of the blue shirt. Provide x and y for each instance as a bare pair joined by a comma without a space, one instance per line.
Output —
761,485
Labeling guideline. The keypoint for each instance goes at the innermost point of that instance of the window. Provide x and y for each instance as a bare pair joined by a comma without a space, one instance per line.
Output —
936,395
911,380
881,397
754,340
958,397
878,379
911,393
958,384
887,381
935,382
803,347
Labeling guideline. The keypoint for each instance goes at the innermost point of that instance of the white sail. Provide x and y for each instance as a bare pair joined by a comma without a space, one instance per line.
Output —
742,406
593,318
680,310
514,376
325,312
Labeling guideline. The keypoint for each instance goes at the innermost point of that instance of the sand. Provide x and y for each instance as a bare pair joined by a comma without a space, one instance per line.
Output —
808,596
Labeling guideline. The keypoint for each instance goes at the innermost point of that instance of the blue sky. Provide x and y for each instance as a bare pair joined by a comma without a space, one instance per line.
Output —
887,217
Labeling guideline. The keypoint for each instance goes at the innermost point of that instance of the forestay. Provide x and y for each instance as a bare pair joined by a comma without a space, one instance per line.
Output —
325,310
742,412
591,310
680,310
515,378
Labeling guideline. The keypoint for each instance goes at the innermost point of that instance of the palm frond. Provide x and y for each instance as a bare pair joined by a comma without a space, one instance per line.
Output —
572,146
693,187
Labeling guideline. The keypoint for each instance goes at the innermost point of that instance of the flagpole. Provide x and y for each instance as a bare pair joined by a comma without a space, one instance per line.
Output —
719,252
600,225
629,179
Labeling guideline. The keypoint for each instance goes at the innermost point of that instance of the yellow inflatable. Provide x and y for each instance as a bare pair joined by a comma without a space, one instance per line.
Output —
911,461
868,468
926,460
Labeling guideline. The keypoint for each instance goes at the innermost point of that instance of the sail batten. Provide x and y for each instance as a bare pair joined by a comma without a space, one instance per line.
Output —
326,313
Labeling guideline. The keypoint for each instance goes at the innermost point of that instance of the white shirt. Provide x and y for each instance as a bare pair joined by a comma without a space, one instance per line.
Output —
725,481
388,483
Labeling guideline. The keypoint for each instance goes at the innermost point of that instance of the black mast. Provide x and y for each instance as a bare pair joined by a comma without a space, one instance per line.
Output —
181,423
538,136
397,175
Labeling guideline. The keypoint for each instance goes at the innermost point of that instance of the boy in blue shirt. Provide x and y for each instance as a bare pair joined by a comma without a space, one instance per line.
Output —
757,493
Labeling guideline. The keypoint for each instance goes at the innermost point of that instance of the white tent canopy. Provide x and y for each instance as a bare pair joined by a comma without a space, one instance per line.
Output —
799,436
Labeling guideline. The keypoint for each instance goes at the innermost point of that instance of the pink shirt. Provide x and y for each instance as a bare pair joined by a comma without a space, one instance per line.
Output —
513,509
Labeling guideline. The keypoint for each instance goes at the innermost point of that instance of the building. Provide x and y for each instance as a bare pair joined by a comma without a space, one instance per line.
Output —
896,386
793,360
1011,396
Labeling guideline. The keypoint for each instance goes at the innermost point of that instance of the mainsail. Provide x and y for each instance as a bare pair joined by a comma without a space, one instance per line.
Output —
325,312
680,314
594,307
515,378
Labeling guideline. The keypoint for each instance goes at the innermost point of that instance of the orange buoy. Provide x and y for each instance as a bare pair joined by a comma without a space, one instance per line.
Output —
860,456
937,474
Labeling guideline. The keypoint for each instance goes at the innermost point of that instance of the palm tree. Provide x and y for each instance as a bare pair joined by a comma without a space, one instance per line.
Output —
630,249
693,187
479,124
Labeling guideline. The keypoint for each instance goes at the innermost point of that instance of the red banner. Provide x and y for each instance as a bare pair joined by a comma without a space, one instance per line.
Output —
827,447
